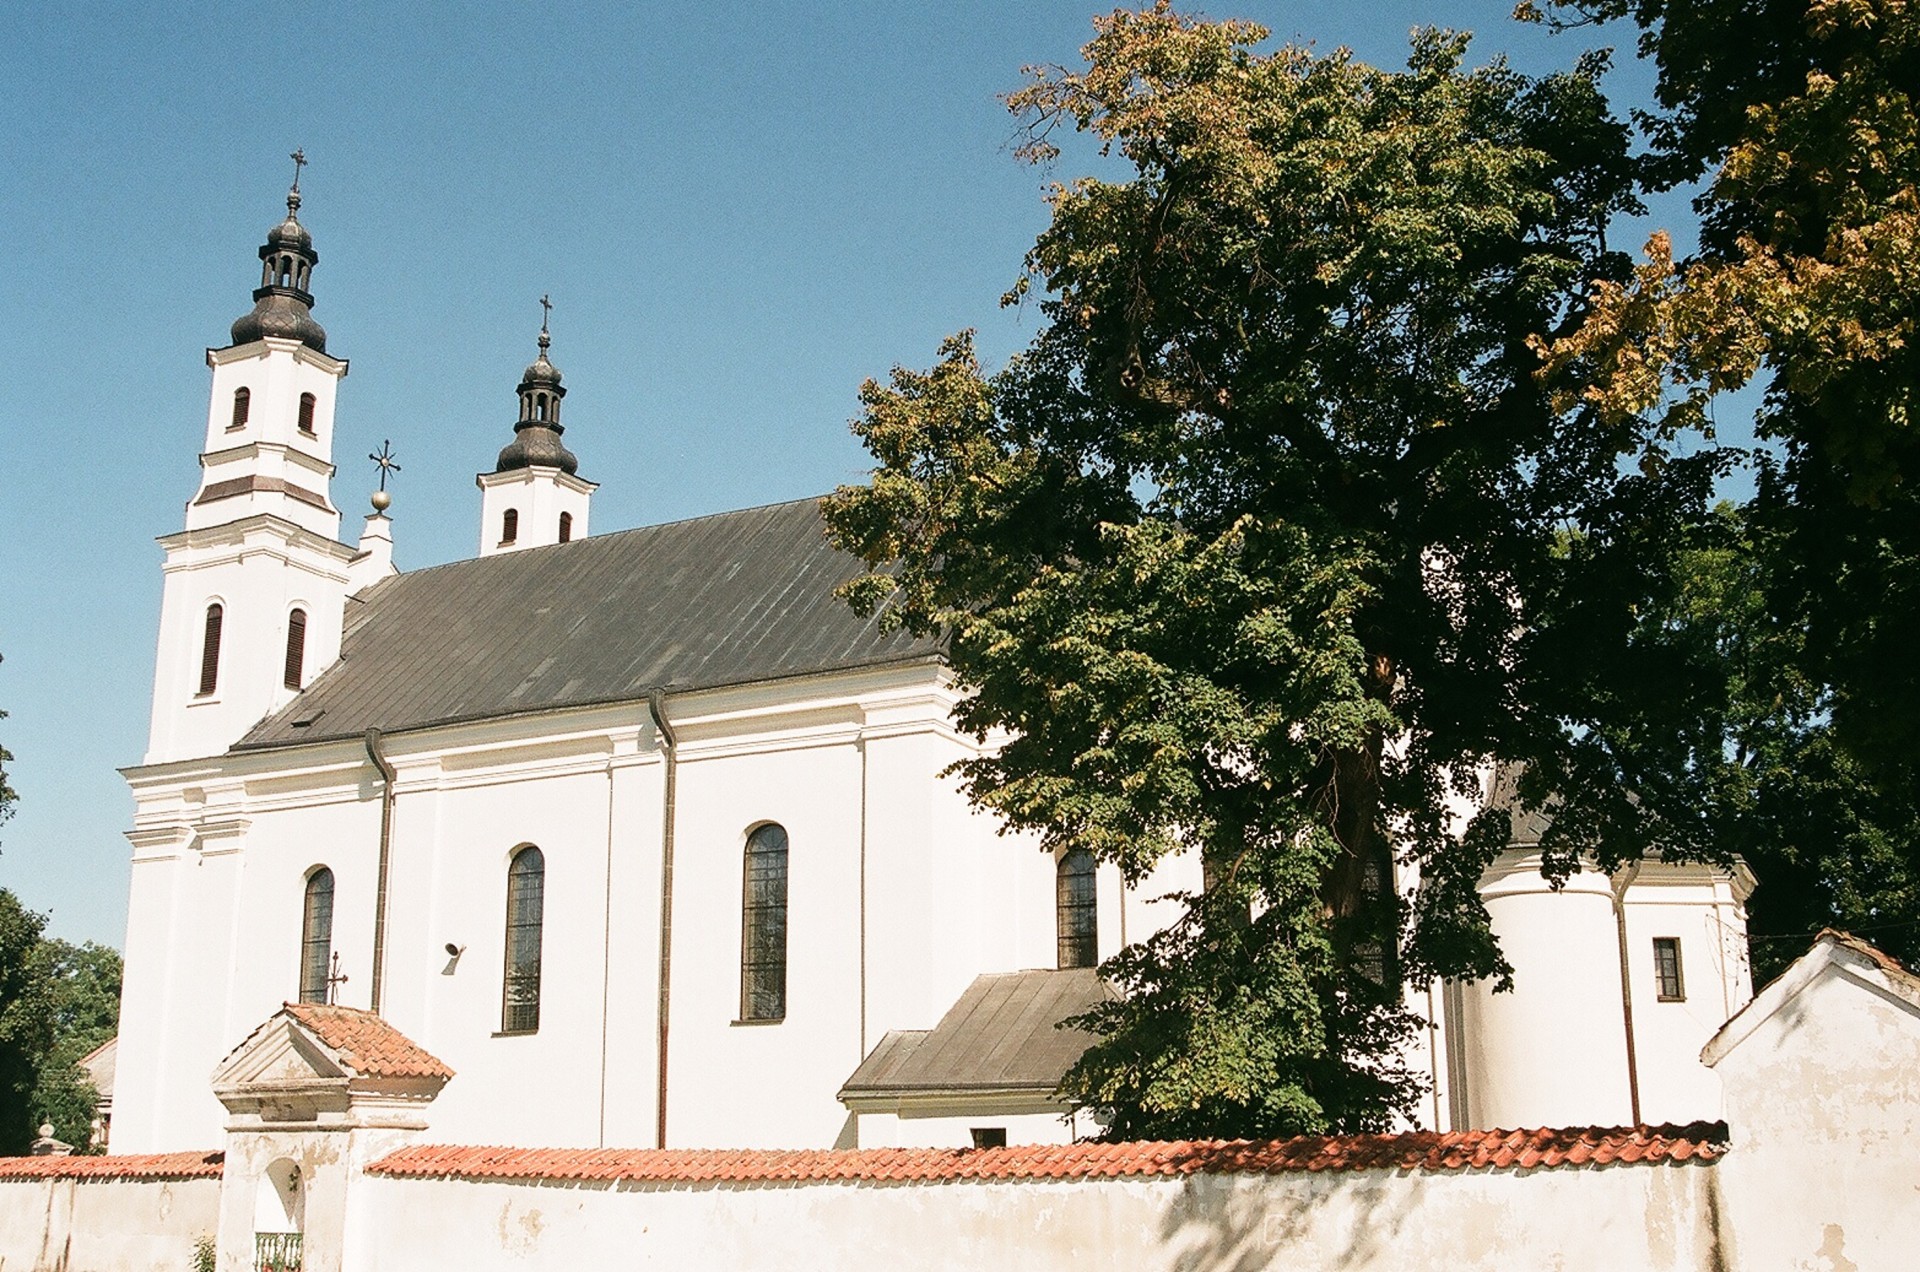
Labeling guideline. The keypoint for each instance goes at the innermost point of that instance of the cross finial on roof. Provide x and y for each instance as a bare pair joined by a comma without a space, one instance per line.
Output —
546,310
335,979
299,158
383,460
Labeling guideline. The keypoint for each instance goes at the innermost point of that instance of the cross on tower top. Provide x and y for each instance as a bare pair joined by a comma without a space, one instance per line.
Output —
383,460
299,158
546,311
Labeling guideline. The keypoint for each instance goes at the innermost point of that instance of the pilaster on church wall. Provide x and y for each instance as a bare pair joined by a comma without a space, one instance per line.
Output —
804,774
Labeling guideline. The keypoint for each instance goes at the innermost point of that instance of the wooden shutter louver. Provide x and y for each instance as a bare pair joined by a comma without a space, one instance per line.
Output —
210,651
296,648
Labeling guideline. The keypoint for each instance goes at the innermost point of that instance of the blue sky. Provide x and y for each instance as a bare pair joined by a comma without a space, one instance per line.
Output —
741,211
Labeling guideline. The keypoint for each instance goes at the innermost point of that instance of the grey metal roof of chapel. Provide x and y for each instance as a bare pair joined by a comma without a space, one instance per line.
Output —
1002,1034
729,599
282,305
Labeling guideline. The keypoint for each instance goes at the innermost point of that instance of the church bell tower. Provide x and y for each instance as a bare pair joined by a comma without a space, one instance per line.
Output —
535,495
256,582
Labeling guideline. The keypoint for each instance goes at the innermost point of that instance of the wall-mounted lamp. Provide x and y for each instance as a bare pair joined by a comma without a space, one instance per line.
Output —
453,958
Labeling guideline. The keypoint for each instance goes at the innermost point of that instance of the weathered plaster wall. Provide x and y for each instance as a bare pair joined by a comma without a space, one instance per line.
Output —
104,1225
1824,1101
1641,1217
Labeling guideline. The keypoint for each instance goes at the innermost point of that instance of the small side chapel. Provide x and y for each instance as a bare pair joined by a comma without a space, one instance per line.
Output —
642,837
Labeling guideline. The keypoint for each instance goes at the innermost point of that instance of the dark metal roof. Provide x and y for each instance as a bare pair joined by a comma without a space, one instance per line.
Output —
1529,824
724,600
999,1036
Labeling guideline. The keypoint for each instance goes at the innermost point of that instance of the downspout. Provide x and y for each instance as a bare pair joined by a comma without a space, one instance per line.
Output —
861,1051
656,703
606,957
378,755
1620,883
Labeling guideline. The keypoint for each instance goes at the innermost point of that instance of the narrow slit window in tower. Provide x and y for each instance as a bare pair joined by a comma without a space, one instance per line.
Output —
296,648
510,525
306,413
210,651
242,407
566,527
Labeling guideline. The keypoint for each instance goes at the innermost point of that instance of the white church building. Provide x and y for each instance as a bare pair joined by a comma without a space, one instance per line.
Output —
644,834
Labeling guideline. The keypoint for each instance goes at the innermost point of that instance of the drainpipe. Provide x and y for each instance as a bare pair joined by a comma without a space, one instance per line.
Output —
376,754
1620,883
656,703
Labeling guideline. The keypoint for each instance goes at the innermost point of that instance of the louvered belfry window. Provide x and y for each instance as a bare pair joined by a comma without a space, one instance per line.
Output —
509,525
296,648
526,902
316,936
566,527
306,413
210,651
242,404
763,926
1077,916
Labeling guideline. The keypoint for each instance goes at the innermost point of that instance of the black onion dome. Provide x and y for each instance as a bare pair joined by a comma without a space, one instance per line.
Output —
536,437
282,305
537,446
540,373
291,234
278,314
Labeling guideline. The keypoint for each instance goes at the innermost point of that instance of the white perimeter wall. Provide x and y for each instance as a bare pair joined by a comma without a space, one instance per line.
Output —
105,1225
1653,1218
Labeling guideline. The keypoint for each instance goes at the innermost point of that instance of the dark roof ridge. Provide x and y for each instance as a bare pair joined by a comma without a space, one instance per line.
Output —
727,599
591,538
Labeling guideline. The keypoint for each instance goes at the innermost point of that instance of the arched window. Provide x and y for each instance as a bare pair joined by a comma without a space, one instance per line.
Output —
566,527
242,407
306,414
539,406
296,648
316,936
763,926
520,992
210,651
1077,915
510,525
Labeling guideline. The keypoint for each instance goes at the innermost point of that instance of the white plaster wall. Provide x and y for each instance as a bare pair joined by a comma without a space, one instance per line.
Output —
276,372
1652,1218
539,495
1823,1099
258,570
770,1083
105,1225
214,923
1552,1052
1696,905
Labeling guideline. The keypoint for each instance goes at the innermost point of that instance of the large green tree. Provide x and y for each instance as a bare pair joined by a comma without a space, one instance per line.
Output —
1272,539
1803,118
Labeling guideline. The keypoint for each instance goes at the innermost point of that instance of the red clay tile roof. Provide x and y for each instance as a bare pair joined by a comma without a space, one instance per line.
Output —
1415,1150
127,1166
373,1047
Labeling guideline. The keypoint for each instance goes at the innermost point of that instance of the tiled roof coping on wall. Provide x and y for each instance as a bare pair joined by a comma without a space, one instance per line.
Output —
1414,1150
126,1166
